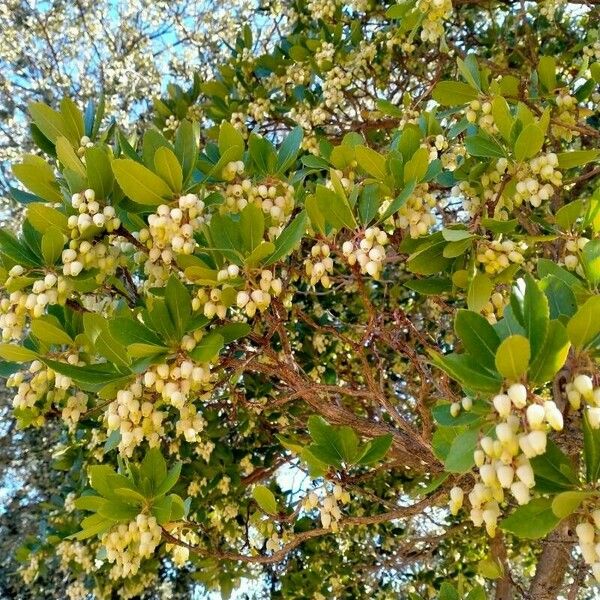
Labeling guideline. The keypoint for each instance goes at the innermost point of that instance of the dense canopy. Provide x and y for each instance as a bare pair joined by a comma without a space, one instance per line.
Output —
327,321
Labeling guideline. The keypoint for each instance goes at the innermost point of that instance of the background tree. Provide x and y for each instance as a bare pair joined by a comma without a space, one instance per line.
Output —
343,285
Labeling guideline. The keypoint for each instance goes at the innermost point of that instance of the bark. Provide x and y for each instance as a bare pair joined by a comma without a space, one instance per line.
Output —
553,564
504,587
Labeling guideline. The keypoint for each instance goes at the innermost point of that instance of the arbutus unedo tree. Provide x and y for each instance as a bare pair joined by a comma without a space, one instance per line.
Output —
331,322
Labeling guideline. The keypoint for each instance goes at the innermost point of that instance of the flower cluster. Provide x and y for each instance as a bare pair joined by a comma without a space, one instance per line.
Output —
494,308
127,544
51,289
36,394
368,251
497,255
329,509
582,387
572,251
91,214
251,300
274,197
320,265
232,169
74,408
170,232
416,214
588,534
435,12
481,112
537,179
91,254
504,463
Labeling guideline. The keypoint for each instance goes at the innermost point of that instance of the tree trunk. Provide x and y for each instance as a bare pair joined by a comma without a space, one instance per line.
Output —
504,587
553,564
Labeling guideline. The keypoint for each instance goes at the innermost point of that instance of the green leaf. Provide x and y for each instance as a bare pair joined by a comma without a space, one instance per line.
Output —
591,261
17,251
288,239
186,148
50,122
399,201
576,158
91,503
333,445
259,254
512,357
431,286
208,348
584,326
567,503
591,450
162,508
154,467
371,161
567,215
140,183
67,156
252,222
99,171
42,217
552,355
463,369
502,117
460,458
478,337
453,93
531,521
233,331
485,146
479,292
129,331
416,167
38,177
529,143
179,304
553,470
288,150
530,306
47,329
53,242
547,72
16,353
335,208
448,592
375,449
265,499
168,168
170,480
230,138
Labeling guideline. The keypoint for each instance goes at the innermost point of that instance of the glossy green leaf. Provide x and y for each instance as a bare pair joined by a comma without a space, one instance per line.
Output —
139,183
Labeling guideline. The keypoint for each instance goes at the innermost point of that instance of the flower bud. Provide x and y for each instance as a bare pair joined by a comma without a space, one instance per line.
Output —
517,393
584,385
502,404
535,416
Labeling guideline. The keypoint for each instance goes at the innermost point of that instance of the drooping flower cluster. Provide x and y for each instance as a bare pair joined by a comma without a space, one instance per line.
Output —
128,544
588,534
170,232
91,214
49,290
274,197
497,255
320,265
504,463
582,388
368,251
